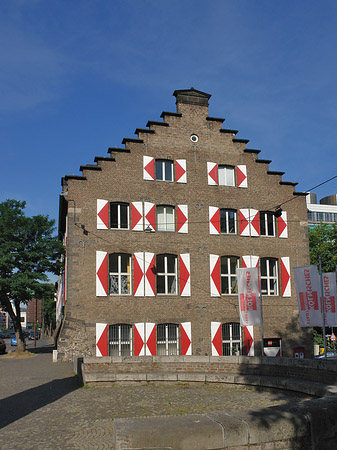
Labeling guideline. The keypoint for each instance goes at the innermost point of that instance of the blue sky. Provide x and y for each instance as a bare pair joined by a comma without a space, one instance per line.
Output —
79,75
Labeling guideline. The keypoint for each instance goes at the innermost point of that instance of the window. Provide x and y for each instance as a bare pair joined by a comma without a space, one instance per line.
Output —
120,340
167,339
231,339
228,266
267,224
226,175
227,221
119,215
165,218
164,170
166,274
269,282
119,274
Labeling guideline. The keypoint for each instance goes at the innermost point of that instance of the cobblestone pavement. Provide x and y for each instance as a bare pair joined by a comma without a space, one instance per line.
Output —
44,407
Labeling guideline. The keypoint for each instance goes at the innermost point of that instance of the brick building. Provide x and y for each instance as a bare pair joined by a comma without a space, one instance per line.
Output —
154,233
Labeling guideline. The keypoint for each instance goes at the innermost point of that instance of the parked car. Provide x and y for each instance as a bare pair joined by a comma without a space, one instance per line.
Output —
2,346
13,341
31,335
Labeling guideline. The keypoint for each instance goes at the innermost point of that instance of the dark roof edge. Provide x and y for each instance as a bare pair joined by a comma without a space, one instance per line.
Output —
226,130
215,119
74,177
242,141
90,167
300,193
104,158
135,141
173,114
252,150
275,172
263,161
143,130
288,183
119,150
154,122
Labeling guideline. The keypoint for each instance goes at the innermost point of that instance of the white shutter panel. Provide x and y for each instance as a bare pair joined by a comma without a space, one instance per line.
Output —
212,174
185,275
138,274
182,218
137,216
148,168
186,338
101,274
102,214
214,220
181,176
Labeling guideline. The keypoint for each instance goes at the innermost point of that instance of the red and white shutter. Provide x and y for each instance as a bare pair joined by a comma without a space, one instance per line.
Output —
148,168
101,339
186,338
102,214
139,339
181,175
150,336
182,218
185,275
214,261
212,174
254,218
241,174
216,339
137,216
101,274
214,220
138,274
150,274
283,225
250,261
244,222
150,216
285,276
249,340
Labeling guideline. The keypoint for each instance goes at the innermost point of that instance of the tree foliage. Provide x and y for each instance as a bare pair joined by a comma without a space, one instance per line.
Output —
28,249
323,243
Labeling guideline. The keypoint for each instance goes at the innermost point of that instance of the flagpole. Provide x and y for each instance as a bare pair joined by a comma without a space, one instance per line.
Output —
261,314
322,304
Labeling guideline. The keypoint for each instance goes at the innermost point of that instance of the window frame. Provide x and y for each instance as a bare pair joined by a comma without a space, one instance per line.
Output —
167,274
229,275
165,223
119,274
225,168
264,223
167,341
119,342
163,163
119,205
269,278
232,342
227,211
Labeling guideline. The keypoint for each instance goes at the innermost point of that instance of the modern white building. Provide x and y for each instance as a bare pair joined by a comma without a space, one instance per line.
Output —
323,212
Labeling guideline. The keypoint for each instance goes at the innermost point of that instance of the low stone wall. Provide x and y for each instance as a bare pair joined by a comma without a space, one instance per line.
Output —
312,425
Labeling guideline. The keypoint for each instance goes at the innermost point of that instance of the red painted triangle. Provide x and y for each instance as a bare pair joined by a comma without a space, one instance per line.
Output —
102,343
179,171
185,341
104,214
102,274
241,176
184,275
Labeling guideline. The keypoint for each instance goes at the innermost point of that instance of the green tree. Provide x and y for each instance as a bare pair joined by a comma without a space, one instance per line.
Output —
323,243
28,249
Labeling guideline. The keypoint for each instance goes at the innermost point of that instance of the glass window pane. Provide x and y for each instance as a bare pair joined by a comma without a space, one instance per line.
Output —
233,285
231,221
262,224
125,263
223,221
270,219
170,218
230,176
172,331
125,332
113,262
113,215
171,284
236,331
172,349
263,267
160,284
233,265
161,349
160,218
160,263
171,264
264,286
224,285
225,331
236,349
160,332
224,265
226,349
168,171
221,175
125,284
159,170
114,284
124,216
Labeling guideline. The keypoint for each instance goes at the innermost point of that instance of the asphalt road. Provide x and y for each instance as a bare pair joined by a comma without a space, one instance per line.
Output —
44,407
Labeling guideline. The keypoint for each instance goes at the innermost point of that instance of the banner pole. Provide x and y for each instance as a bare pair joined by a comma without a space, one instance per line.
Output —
322,304
261,313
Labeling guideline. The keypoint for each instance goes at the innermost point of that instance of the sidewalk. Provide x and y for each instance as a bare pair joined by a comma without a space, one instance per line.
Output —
44,407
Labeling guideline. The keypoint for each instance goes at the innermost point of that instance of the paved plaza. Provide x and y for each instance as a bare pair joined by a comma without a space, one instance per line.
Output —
44,407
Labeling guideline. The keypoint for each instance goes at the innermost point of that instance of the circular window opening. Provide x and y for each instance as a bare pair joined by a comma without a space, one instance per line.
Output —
194,138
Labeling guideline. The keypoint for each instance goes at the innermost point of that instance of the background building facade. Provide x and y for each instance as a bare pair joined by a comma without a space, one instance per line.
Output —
155,231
